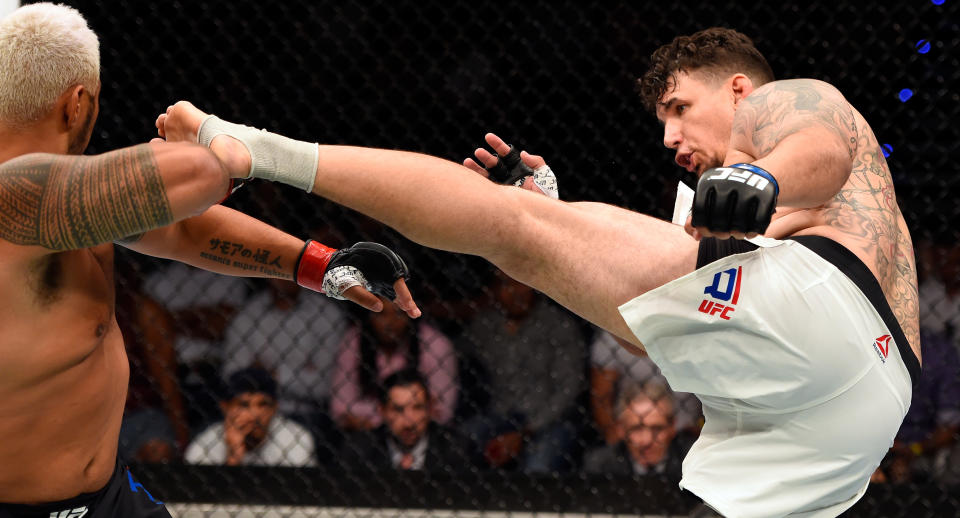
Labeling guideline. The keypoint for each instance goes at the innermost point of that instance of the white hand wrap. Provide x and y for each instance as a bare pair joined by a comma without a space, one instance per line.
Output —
544,178
340,279
272,157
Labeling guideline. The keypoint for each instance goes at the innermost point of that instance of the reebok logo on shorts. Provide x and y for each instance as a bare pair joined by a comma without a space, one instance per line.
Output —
70,513
725,290
882,346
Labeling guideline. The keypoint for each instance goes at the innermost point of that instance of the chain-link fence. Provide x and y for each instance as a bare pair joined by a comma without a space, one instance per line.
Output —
527,404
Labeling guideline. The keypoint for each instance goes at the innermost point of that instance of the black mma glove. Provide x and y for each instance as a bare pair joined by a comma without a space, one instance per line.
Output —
509,169
371,265
740,197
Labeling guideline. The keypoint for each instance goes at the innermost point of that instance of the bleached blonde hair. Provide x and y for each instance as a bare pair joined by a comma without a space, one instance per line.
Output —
44,50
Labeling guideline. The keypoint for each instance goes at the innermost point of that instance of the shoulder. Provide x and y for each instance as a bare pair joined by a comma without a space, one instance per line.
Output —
351,339
446,435
433,338
203,447
289,430
777,110
449,446
31,162
603,459
556,322
364,447
798,94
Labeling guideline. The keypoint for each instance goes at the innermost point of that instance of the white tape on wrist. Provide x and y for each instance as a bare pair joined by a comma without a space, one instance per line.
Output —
272,157
342,278
544,178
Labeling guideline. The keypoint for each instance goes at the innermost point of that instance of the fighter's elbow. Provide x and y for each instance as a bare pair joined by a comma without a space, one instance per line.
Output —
194,178
210,175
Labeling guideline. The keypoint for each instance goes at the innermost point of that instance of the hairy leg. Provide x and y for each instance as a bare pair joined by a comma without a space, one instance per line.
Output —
589,257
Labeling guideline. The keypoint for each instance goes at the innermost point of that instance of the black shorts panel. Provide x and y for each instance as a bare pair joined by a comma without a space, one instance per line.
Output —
123,497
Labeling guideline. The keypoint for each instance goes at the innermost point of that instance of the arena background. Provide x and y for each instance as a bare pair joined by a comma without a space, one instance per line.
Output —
556,78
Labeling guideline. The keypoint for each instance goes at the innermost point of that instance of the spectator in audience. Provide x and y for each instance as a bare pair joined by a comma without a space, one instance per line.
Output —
293,333
613,365
645,430
201,303
939,276
252,433
154,426
532,356
926,448
384,343
409,439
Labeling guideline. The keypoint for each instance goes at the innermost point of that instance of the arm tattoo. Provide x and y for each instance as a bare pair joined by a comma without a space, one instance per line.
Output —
780,109
865,208
131,239
70,202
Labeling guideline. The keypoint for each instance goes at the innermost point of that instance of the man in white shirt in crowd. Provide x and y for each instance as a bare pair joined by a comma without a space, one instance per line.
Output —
252,433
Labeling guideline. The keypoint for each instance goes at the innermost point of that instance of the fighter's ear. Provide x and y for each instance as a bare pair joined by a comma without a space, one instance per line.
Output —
740,87
70,106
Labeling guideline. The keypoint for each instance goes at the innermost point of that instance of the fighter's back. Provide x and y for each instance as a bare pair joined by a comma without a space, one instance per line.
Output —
863,216
63,375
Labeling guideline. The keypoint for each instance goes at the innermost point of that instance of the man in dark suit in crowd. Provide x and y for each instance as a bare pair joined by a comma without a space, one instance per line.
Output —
645,424
408,438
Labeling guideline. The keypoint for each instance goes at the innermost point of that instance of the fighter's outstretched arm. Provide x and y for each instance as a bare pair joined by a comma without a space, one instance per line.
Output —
225,241
230,242
589,257
51,203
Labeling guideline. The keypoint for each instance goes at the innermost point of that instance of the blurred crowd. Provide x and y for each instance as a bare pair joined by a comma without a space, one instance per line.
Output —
235,371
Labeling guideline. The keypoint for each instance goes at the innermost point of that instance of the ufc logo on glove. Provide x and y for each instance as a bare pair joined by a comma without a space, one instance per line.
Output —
740,197
739,175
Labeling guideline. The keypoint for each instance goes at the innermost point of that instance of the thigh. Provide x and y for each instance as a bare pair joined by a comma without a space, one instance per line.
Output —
592,257
825,454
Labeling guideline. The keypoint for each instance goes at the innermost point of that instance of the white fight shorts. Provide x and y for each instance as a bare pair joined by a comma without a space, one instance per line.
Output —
803,371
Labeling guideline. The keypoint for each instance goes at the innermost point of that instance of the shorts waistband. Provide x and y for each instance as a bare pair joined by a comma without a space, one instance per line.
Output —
851,265
46,508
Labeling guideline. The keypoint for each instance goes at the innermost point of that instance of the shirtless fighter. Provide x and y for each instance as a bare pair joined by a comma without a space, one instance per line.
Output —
63,367
801,343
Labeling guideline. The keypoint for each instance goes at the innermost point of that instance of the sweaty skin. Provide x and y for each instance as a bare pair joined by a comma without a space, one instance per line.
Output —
63,379
862,214
592,257
64,374
834,181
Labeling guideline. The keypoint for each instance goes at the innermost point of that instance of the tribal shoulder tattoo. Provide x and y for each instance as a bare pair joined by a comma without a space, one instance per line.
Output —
72,202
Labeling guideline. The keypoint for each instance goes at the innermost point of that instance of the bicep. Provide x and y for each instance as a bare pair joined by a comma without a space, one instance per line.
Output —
73,202
803,131
592,257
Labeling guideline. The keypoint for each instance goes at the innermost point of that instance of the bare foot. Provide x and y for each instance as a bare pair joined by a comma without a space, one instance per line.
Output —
181,122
